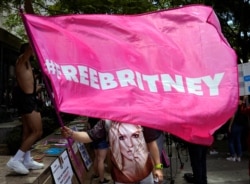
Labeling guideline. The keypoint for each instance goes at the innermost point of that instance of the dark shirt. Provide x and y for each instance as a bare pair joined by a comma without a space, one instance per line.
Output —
93,121
240,118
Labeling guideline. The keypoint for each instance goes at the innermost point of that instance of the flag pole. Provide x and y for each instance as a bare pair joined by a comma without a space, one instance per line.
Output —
50,91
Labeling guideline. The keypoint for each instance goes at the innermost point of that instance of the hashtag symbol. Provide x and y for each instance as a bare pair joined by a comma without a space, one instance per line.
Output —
53,68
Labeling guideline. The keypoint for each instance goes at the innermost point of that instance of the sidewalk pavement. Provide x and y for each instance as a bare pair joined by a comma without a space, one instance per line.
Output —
219,170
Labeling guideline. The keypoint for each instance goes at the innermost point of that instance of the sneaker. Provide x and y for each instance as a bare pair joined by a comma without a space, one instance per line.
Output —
238,159
17,166
104,181
213,152
32,164
231,159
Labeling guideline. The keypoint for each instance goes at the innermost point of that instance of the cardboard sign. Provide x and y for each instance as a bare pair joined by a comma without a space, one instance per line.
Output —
61,169
85,155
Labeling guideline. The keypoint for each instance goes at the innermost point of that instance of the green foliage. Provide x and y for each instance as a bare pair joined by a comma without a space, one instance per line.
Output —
100,7
238,31
14,23
233,11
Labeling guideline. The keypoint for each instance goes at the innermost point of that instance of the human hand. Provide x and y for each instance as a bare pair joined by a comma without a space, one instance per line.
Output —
67,132
158,175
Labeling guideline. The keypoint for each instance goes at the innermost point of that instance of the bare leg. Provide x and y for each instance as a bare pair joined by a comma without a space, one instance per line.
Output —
95,164
101,156
32,124
25,130
32,131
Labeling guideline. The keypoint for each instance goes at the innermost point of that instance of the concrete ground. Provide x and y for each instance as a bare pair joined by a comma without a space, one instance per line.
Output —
219,170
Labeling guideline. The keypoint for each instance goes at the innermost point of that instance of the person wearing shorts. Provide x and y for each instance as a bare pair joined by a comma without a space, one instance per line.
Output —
25,96
100,148
134,155
26,103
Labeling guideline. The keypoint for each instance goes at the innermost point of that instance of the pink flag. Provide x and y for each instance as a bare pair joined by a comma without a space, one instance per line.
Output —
171,70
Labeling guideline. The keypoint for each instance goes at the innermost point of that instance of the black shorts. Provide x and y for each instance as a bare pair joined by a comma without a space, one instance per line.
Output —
26,103
103,144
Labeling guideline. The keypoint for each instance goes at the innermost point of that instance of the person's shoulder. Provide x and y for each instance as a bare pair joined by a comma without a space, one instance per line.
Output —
153,130
151,134
98,131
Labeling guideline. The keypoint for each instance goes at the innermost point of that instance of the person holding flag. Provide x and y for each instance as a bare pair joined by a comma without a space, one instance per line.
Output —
133,150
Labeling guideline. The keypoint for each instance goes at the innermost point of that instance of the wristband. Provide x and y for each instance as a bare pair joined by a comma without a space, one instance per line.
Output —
159,166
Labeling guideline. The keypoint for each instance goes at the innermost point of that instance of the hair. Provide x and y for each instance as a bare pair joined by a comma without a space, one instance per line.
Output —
23,47
115,143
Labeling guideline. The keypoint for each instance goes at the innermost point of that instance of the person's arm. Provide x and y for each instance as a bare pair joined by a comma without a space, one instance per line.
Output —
98,132
151,135
28,7
155,155
25,56
77,136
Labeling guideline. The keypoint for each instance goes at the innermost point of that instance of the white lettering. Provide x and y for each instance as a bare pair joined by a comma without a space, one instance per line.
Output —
107,81
194,86
69,72
84,78
53,68
139,80
93,78
127,77
168,82
151,81
213,84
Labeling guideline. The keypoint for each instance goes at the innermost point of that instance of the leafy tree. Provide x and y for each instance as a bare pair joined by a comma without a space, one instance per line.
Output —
236,26
233,18
232,14
11,14
13,21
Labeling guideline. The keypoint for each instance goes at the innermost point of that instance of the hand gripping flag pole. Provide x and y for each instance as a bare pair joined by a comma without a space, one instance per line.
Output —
50,92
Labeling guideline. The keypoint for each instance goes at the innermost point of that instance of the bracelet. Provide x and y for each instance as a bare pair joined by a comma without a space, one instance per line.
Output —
159,166
71,134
